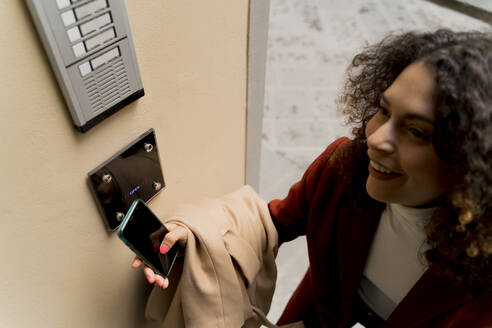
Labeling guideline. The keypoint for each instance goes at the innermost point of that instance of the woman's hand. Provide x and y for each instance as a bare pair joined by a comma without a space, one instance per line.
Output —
176,234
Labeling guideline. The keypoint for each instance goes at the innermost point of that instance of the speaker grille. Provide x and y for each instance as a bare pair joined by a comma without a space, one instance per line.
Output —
107,85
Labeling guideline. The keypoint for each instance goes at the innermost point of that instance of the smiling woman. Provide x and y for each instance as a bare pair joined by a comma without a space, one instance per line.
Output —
414,247
422,102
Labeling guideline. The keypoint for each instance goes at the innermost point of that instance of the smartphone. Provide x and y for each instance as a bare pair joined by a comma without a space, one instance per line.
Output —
143,233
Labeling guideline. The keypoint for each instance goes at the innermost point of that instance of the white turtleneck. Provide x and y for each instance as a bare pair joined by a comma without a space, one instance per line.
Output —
395,261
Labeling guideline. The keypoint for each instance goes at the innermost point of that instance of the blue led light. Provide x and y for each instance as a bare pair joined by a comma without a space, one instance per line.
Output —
134,190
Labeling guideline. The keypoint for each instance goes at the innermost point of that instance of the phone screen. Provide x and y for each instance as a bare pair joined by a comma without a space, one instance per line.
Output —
143,232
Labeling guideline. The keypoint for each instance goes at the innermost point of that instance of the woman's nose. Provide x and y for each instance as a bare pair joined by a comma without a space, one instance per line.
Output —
382,139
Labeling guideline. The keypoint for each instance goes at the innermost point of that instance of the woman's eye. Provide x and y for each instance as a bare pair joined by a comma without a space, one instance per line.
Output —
418,133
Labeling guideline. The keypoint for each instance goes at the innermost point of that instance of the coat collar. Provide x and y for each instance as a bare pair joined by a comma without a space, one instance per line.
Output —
429,297
357,227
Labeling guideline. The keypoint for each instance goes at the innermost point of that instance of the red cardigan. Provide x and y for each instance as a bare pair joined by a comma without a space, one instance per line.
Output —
332,208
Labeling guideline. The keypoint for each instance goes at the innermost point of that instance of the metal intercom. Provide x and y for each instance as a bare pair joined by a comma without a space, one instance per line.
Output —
133,172
90,47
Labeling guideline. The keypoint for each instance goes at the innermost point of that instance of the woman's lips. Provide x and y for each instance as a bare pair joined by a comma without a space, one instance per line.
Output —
382,173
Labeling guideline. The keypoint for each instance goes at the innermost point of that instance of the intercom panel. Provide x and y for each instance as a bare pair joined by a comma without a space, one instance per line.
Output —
133,172
91,50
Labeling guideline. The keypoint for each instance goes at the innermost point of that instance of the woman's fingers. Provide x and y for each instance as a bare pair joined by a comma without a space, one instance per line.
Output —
176,234
151,276
158,280
136,262
161,282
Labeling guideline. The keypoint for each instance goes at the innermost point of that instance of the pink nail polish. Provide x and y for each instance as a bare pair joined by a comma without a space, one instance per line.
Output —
149,278
164,248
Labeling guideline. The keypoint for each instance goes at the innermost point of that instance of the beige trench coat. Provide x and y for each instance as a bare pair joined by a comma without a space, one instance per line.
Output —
227,276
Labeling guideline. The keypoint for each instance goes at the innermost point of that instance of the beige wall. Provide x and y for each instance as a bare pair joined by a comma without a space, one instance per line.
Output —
58,265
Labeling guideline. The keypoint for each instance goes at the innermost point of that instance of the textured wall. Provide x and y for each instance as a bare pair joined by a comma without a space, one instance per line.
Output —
59,266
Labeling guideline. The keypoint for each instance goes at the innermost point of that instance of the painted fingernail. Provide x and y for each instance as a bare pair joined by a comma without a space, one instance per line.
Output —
164,248
158,282
149,278
165,284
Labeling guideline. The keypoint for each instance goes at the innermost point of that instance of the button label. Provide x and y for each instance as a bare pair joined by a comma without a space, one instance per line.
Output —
104,58
95,24
100,39
90,8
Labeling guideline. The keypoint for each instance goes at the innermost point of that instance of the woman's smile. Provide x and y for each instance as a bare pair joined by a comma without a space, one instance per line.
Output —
380,172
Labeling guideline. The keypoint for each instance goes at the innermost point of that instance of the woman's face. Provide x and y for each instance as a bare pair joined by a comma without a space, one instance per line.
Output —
404,167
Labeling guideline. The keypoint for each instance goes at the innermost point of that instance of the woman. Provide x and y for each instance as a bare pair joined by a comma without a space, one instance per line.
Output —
398,220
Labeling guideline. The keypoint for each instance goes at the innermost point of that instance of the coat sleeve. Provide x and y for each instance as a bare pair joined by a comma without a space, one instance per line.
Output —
291,213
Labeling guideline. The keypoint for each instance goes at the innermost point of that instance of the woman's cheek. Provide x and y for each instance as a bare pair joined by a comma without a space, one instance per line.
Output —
371,126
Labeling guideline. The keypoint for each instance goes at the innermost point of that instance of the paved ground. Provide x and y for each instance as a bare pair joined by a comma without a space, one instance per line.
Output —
310,44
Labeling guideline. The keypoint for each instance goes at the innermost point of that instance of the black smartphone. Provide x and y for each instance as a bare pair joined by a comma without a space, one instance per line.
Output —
143,233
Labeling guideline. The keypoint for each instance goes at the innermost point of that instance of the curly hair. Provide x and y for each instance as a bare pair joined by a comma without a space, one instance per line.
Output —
460,231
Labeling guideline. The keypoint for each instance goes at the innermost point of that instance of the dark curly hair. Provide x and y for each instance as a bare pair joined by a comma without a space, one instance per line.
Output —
460,231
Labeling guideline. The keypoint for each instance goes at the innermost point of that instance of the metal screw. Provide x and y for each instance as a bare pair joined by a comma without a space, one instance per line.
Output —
120,216
148,147
156,185
107,178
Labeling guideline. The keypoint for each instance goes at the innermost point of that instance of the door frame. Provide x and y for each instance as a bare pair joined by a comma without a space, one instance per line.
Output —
257,52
